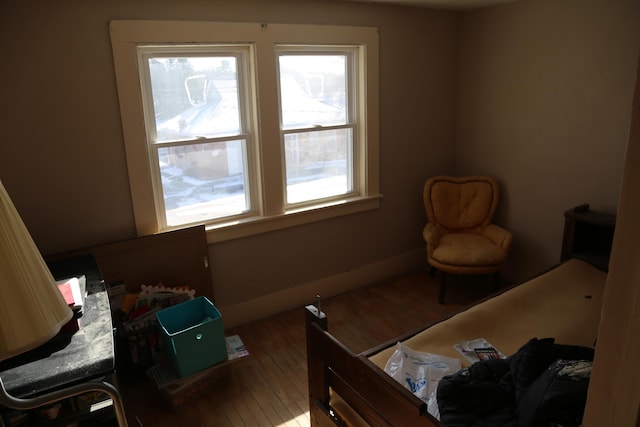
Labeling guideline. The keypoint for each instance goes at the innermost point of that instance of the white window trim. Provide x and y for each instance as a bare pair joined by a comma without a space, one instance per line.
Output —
126,35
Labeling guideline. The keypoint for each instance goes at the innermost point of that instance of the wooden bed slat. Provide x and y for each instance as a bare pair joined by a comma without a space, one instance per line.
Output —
357,402
323,417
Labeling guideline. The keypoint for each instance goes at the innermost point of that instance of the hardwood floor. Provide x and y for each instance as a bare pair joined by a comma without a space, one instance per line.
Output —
269,387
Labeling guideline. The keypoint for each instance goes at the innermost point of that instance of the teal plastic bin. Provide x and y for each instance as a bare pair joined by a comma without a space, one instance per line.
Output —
193,336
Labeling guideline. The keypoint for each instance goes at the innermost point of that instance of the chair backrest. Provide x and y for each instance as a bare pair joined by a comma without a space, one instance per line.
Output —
461,204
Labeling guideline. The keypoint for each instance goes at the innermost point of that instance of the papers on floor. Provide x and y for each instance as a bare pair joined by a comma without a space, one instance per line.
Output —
235,347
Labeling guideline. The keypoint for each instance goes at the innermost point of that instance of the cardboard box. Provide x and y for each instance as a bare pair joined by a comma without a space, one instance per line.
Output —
193,335
180,391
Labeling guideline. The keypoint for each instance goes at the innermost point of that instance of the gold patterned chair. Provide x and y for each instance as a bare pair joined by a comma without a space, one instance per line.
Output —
460,236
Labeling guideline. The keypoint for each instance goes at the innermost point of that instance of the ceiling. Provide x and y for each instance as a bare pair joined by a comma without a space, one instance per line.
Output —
442,4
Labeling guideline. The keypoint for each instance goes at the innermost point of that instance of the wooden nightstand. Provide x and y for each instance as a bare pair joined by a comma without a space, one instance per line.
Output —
588,235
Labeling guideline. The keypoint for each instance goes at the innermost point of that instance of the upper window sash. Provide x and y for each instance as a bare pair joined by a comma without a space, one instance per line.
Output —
155,53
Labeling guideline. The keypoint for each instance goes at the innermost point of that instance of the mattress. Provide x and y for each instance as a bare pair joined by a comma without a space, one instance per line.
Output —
563,303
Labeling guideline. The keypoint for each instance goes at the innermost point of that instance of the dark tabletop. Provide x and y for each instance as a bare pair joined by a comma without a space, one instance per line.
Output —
70,357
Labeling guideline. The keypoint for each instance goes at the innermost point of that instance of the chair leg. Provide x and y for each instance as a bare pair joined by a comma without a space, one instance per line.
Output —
443,285
432,271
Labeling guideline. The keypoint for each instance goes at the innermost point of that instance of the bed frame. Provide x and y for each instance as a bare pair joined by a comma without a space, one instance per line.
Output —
347,386
346,389
374,395
371,393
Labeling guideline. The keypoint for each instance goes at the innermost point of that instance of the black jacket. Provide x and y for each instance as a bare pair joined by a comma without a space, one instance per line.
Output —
542,384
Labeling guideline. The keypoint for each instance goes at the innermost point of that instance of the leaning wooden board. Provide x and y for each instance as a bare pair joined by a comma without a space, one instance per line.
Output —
174,258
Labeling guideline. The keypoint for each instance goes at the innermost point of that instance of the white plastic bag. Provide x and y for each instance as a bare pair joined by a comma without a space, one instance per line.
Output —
420,373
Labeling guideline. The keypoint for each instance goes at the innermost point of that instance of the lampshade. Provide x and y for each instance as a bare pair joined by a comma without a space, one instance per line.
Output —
32,310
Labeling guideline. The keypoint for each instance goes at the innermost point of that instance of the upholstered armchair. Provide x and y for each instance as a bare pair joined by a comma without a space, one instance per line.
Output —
460,236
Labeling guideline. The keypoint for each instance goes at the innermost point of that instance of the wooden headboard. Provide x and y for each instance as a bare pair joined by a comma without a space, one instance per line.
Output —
174,258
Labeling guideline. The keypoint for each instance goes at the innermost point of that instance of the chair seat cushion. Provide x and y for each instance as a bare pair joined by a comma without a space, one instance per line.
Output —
468,250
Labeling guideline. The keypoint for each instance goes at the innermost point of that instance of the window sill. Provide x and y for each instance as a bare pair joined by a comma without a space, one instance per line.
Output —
249,227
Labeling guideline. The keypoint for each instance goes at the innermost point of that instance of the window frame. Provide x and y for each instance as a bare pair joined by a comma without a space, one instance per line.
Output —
242,52
351,122
270,211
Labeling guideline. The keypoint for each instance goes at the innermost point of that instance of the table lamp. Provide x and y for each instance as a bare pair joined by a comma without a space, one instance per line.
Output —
32,310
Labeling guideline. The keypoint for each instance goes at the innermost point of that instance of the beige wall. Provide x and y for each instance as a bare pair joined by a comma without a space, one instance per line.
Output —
536,93
62,156
544,100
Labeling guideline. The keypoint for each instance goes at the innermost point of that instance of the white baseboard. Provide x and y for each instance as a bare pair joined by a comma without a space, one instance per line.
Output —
302,295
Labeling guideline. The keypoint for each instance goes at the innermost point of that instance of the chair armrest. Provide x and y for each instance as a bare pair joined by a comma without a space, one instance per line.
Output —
432,234
499,236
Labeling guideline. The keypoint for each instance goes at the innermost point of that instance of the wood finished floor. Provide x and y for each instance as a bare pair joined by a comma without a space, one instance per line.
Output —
269,387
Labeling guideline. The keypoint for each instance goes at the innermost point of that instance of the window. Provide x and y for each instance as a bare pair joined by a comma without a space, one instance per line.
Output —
198,132
247,127
317,90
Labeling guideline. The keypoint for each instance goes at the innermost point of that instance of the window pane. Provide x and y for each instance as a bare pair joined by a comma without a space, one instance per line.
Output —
318,164
313,90
203,181
194,97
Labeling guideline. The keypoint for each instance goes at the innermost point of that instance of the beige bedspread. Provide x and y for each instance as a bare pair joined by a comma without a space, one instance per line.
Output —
564,303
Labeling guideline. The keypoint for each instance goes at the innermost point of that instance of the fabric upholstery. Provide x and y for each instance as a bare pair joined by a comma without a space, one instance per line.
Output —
468,250
460,236
461,204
